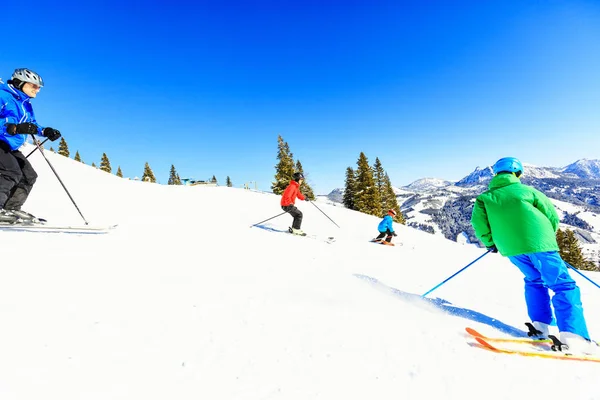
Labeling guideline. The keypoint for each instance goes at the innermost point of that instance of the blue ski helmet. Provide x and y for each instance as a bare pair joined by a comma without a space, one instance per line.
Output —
508,164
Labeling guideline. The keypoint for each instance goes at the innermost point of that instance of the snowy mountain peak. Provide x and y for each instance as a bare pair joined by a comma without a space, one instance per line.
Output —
584,168
427,184
478,176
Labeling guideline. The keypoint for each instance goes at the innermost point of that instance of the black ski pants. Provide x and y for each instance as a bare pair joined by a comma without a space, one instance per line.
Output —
17,177
294,212
383,234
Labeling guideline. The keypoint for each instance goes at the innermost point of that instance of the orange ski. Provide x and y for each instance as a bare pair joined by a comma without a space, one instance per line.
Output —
542,354
476,334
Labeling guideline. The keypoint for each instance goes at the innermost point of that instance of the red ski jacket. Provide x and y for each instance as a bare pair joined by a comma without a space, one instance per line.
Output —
290,193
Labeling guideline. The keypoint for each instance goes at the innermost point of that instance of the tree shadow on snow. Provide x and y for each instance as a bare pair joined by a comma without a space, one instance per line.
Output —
445,306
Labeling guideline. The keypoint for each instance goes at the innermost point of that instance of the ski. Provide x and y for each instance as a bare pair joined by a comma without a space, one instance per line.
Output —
67,229
268,228
476,334
328,239
383,242
504,349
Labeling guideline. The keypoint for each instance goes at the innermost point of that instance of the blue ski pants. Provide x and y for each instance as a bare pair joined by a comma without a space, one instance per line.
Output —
545,271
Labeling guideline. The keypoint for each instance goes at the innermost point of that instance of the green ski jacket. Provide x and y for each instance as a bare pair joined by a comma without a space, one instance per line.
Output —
516,218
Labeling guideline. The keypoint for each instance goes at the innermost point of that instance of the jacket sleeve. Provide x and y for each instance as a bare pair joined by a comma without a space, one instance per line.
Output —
543,203
481,224
390,223
300,196
4,118
33,120
9,115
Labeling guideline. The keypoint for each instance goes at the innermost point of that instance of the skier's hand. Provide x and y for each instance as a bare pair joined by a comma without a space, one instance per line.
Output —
27,128
493,249
11,129
51,133
306,198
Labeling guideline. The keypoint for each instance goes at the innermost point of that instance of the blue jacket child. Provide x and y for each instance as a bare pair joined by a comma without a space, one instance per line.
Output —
386,228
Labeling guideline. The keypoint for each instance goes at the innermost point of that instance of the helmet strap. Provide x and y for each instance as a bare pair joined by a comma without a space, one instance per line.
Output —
17,83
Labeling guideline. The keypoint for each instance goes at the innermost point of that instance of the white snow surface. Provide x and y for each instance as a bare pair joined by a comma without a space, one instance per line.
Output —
186,301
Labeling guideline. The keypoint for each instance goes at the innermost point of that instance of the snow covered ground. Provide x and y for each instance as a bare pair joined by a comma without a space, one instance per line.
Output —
186,301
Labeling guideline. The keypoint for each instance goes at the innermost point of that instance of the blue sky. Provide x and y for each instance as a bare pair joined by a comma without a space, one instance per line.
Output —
431,88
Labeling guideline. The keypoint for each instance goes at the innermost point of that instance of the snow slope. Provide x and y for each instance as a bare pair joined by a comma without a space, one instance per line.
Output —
187,301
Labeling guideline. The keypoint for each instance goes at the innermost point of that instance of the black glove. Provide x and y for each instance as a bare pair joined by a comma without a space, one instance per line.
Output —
51,133
26,128
306,199
11,129
394,233
492,249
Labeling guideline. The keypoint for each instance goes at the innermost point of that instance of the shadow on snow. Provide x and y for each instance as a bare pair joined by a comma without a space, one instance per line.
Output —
270,228
444,306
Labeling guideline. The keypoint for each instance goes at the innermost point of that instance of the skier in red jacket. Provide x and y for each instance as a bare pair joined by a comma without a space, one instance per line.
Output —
288,198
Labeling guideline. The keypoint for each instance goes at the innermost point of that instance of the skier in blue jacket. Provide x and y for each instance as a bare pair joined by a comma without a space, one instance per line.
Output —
386,228
17,121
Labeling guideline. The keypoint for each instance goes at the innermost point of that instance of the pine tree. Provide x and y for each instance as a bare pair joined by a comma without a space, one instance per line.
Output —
105,164
52,149
284,170
119,172
386,191
390,201
213,179
570,251
379,177
77,157
148,175
174,177
305,188
366,199
228,182
94,165
63,149
350,189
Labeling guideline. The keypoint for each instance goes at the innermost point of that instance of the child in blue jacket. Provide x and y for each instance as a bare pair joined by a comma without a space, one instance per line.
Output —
386,228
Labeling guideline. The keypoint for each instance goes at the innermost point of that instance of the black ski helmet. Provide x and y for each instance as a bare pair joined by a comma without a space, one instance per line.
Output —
298,176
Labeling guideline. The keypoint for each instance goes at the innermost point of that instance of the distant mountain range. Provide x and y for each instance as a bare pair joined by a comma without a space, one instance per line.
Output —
444,207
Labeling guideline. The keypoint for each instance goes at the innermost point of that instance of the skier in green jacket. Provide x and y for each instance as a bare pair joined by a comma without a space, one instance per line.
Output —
520,222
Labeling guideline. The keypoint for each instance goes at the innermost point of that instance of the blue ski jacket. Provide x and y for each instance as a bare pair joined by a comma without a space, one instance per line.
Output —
385,224
15,107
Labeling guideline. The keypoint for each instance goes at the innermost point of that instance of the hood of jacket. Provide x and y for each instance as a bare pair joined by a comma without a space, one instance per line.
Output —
16,93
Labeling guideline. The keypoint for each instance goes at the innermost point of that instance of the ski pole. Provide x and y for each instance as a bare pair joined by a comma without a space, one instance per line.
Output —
268,219
313,203
581,273
456,273
33,151
58,177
